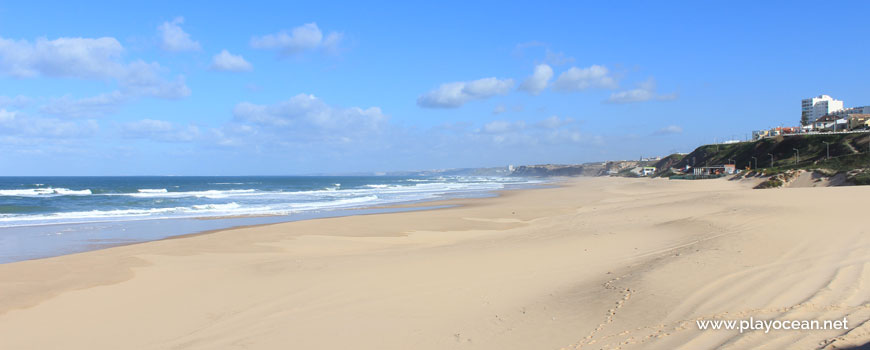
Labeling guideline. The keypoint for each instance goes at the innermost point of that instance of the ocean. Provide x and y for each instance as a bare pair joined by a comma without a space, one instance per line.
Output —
49,216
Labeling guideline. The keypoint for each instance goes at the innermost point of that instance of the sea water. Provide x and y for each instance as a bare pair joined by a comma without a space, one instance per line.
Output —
49,216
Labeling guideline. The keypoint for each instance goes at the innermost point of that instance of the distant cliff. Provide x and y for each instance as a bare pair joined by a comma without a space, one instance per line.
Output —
495,171
588,169
609,168
663,166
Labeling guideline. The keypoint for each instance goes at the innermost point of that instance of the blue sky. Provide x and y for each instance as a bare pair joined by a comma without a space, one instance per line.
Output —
162,88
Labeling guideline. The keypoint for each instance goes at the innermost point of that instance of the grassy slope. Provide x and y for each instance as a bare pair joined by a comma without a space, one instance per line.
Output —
811,147
663,166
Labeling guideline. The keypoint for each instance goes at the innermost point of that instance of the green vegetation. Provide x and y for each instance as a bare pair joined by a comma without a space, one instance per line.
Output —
663,166
848,151
770,183
666,173
828,166
627,172
860,179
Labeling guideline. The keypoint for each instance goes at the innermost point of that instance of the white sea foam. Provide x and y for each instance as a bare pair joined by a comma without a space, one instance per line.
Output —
377,186
147,193
35,192
430,187
249,201
341,203
199,210
68,192
194,211
150,190
227,206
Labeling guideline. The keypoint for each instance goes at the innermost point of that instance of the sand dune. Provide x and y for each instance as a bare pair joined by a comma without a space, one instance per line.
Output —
817,179
597,263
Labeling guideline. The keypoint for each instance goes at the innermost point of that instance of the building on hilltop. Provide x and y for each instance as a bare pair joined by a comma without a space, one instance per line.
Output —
858,121
817,107
760,134
830,122
853,110
784,130
777,131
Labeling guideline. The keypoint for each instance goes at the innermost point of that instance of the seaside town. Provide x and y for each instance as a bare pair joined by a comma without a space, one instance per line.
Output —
822,114
829,142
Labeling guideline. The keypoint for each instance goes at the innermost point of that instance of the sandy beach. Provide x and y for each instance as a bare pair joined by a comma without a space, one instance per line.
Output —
596,263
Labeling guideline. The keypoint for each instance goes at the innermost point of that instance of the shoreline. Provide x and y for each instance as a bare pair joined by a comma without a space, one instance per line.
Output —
592,262
152,229
443,204
439,204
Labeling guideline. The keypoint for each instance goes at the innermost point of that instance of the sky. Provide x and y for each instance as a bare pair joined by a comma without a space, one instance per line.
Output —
278,88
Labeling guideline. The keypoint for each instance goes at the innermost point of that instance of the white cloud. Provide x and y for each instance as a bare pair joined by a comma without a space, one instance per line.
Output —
85,107
17,101
225,61
141,79
551,57
629,96
551,130
501,127
306,117
17,124
332,43
235,134
306,37
175,39
6,116
159,130
453,95
670,129
538,81
488,87
645,91
144,79
576,79
499,109
557,58
85,58
554,122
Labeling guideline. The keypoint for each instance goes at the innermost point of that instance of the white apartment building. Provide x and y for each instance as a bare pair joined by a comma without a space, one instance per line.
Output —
816,107
852,110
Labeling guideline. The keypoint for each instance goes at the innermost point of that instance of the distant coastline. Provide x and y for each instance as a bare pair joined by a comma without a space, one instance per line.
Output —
49,216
